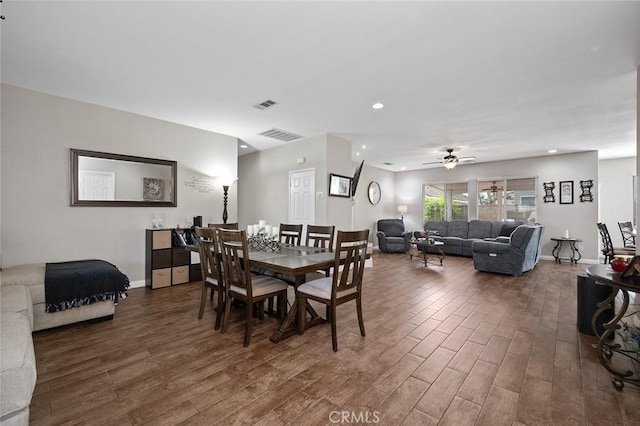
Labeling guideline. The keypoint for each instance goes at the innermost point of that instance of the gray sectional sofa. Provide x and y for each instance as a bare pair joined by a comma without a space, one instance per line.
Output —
459,235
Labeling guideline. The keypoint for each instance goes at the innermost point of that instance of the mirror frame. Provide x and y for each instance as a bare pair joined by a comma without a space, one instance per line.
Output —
75,153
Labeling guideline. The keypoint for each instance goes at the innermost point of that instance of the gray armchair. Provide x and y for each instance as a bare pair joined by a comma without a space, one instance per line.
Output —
392,238
519,255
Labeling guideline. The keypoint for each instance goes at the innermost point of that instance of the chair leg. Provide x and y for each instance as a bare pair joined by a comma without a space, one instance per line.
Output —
360,320
203,298
302,313
260,310
219,308
334,332
327,313
227,311
249,326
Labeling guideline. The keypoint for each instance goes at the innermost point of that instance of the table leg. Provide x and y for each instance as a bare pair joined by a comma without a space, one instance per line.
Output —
556,251
574,251
289,326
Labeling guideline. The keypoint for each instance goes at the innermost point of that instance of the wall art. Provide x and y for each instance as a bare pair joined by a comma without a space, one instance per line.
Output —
586,186
566,192
549,197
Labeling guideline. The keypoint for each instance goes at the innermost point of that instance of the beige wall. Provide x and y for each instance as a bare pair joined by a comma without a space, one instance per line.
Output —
616,198
38,224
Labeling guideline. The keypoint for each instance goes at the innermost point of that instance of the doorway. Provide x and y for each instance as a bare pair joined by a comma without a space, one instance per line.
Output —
302,201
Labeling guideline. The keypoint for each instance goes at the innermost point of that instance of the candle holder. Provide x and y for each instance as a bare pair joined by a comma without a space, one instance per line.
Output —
263,241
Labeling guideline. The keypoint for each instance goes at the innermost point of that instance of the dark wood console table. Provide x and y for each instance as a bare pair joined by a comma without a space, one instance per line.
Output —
606,349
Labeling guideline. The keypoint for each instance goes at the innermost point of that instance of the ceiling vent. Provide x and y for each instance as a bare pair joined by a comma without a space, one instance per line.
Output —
387,163
266,104
281,135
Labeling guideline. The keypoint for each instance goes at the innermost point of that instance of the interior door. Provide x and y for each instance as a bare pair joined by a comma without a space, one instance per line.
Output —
302,201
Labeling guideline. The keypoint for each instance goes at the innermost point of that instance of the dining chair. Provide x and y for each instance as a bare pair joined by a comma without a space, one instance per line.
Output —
343,286
628,236
210,266
233,225
320,236
290,234
244,286
608,250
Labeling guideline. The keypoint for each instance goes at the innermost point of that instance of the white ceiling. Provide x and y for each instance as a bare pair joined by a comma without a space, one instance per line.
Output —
495,80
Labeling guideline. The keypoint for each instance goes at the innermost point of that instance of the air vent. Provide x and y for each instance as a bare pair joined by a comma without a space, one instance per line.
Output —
281,135
388,164
266,104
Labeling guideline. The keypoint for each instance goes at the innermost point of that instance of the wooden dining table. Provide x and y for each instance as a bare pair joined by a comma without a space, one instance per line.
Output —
294,262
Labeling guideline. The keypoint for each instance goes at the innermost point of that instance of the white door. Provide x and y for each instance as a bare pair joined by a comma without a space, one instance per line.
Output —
96,185
302,201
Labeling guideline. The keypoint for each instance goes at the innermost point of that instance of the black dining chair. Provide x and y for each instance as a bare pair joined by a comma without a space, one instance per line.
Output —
345,284
608,250
320,236
628,236
290,234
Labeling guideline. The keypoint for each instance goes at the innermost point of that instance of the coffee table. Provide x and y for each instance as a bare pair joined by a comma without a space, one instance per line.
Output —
420,247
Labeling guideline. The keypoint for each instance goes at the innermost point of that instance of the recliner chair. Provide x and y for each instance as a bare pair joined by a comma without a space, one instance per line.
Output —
392,238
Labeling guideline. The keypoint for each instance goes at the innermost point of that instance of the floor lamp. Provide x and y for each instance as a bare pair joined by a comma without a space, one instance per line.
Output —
226,183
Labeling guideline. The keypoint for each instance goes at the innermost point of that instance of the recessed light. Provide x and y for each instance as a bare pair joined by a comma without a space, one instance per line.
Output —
377,105
403,168
244,145
357,153
364,147
552,151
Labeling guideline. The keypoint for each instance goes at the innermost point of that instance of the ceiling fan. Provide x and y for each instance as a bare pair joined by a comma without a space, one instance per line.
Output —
493,188
449,161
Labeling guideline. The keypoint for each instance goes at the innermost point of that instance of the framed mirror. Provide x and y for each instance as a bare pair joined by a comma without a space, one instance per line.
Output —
103,179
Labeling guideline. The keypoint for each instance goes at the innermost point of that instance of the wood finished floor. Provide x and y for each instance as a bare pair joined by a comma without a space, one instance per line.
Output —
444,345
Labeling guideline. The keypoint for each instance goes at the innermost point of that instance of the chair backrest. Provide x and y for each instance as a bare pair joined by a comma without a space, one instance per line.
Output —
391,227
626,229
224,225
209,254
607,245
290,234
320,236
235,259
352,247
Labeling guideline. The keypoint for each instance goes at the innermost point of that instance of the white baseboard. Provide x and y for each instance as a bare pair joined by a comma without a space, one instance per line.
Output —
586,261
137,284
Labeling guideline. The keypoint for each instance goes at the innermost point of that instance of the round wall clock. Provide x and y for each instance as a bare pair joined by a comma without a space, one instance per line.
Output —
374,192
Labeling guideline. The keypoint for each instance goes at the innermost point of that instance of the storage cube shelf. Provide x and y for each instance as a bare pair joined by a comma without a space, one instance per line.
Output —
167,261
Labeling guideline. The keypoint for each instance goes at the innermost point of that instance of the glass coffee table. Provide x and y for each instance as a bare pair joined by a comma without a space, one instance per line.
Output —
420,248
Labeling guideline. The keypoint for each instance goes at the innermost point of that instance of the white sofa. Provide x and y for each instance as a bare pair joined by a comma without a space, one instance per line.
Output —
22,311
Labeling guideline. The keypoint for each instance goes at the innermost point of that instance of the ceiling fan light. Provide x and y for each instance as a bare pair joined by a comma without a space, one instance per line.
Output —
450,164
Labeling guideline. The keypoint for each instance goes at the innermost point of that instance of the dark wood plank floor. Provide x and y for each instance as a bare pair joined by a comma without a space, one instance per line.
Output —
444,345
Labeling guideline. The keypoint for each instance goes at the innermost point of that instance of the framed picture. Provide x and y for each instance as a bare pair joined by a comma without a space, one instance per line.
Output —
152,189
566,192
632,269
339,186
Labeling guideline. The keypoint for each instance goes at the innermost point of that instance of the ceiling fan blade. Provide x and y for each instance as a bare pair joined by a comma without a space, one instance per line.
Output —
432,162
467,159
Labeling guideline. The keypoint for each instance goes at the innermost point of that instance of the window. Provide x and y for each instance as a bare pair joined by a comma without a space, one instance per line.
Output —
448,201
510,199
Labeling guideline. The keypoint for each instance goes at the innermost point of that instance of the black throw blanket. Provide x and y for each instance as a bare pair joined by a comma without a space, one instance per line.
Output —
82,282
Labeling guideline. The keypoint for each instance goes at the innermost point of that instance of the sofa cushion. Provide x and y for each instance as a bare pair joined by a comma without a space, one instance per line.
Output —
16,298
17,365
30,275
458,228
479,229
496,227
508,228
440,227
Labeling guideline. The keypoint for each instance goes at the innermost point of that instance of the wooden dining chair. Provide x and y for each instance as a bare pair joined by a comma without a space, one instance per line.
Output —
210,266
290,234
343,286
233,225
628,237
244,286
608,250
320,236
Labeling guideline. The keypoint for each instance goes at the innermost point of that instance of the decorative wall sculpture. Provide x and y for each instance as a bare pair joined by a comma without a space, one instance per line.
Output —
586,186
548,192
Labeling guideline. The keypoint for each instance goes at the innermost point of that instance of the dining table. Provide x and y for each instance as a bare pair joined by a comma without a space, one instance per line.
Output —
294,262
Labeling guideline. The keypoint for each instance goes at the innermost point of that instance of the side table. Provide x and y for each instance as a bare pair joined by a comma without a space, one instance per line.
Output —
575,253
420,247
